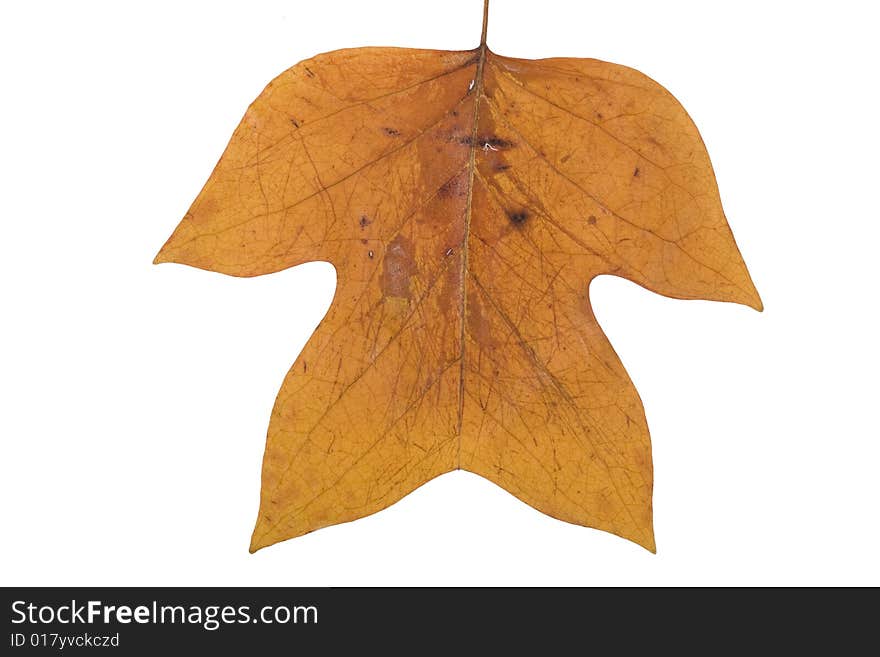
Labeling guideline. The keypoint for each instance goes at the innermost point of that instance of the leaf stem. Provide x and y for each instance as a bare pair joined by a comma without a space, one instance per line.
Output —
485,23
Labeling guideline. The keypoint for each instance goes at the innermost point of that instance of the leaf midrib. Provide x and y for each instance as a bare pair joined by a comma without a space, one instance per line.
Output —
463,275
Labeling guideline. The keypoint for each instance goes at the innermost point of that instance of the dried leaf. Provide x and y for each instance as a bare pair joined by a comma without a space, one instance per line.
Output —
466,201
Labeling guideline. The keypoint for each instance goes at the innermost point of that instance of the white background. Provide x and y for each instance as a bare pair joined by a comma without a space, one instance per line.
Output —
135,398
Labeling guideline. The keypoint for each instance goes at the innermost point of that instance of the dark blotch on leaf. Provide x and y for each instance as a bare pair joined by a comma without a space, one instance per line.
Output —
636,173
498,143
518,217
391,132
364,222
591,220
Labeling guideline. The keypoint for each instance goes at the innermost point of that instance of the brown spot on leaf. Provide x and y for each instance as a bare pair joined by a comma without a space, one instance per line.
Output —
398,266
591,220
517,217
391,132
364,222
495,143
478,326
449,299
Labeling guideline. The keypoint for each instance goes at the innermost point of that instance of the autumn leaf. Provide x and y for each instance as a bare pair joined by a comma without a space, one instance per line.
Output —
466,201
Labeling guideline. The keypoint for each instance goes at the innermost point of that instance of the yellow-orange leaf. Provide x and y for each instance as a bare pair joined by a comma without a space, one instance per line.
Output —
466,201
